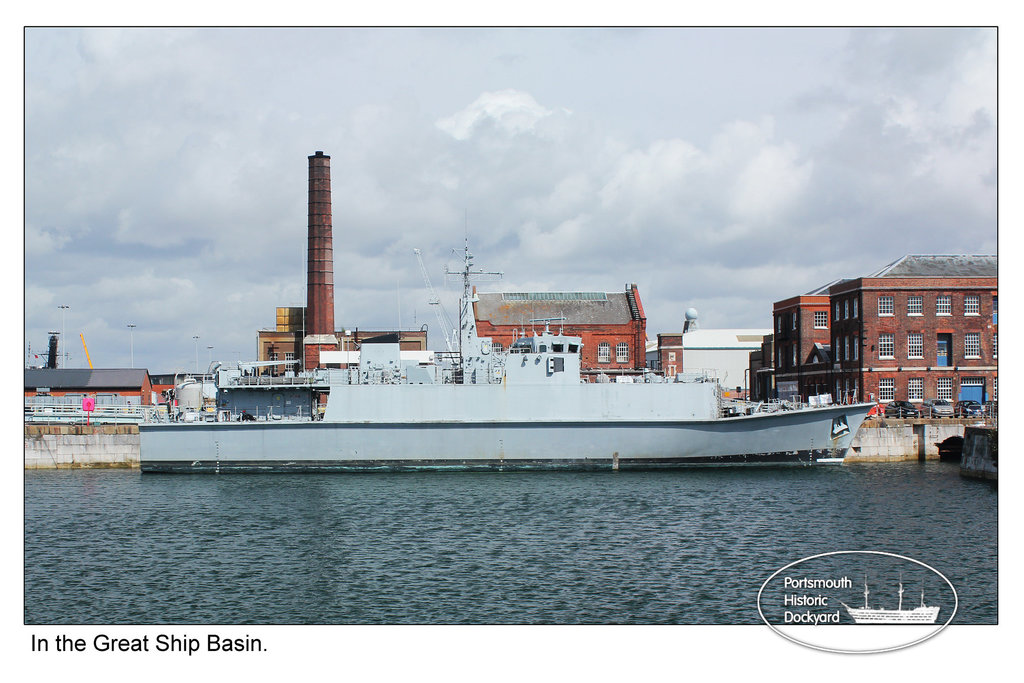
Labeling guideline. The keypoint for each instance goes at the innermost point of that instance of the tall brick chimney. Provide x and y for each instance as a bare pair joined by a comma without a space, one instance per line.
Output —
320,264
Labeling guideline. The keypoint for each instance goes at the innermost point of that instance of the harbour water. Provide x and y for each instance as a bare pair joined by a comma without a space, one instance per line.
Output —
682,547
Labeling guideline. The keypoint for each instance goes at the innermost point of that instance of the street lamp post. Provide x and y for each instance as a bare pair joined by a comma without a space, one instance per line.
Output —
131,341
63,338
196,338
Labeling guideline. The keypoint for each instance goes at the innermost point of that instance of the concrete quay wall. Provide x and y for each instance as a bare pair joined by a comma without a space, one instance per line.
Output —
896,440
66,446
980,458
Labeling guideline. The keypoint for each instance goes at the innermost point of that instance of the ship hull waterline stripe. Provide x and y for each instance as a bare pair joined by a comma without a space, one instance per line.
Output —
797,458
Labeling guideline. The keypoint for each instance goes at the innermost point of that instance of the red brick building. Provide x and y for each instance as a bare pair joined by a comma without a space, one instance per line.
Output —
922,327
107,386
613,325
802,340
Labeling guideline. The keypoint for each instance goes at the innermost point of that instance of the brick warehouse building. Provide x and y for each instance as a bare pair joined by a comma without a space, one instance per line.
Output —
923,327
612,324
802,341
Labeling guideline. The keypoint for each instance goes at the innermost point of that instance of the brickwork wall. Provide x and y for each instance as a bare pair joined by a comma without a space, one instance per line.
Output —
869,368
803,338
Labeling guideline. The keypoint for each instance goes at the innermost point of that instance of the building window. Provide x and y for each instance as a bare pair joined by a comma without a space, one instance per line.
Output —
622,352
288,355
273,356
604,352
972,345
854,308
497,347
944,388
915,305
671,356
856,345
995,388
972,304
886,347
846,308
944,305
995,346
793,317
794,356
885,306
846,348
780,358
836,316
820,320
779,324
886,389
915,345
915,389
995,310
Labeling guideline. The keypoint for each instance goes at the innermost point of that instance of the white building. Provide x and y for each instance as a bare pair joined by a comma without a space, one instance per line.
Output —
724,354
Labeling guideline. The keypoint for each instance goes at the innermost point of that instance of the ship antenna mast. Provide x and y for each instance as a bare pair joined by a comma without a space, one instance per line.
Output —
901,592
866,592
467,321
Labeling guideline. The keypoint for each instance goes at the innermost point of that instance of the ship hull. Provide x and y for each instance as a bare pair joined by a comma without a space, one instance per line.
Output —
918,615
786,438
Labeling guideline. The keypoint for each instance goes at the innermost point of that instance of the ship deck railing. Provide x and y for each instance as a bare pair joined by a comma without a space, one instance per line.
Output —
269,380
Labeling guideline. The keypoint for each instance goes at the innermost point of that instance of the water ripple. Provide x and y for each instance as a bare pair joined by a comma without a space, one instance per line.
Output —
686,547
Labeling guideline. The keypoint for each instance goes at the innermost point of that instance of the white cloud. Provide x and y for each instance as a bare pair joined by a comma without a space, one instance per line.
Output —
510,111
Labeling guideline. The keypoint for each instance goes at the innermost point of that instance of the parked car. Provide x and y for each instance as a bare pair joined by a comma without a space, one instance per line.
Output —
937,407
901,409
969,409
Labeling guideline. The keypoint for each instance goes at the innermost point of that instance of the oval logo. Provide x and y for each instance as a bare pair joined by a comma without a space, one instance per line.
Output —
857,602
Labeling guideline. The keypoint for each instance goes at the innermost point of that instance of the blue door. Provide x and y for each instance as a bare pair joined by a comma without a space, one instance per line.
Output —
973,393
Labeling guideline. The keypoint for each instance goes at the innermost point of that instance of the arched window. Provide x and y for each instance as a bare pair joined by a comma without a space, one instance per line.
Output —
604,352
622,352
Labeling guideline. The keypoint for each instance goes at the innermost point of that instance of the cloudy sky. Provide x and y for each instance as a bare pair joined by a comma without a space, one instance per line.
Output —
724,169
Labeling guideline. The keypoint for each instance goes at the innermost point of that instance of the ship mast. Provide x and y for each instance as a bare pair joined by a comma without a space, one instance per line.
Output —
468,340
901,592
866,592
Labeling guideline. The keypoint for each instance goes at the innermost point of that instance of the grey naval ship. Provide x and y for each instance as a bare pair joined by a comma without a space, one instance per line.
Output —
523,408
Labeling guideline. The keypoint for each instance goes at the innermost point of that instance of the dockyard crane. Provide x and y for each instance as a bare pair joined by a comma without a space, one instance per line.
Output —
82,335
443,320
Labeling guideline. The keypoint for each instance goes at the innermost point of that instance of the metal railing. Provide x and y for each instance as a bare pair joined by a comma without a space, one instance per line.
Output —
65,413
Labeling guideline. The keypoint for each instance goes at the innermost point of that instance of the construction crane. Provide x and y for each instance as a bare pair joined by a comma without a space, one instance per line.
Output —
82,335
443,320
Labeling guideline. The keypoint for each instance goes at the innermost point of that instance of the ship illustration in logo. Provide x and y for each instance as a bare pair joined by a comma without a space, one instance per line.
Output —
923,614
